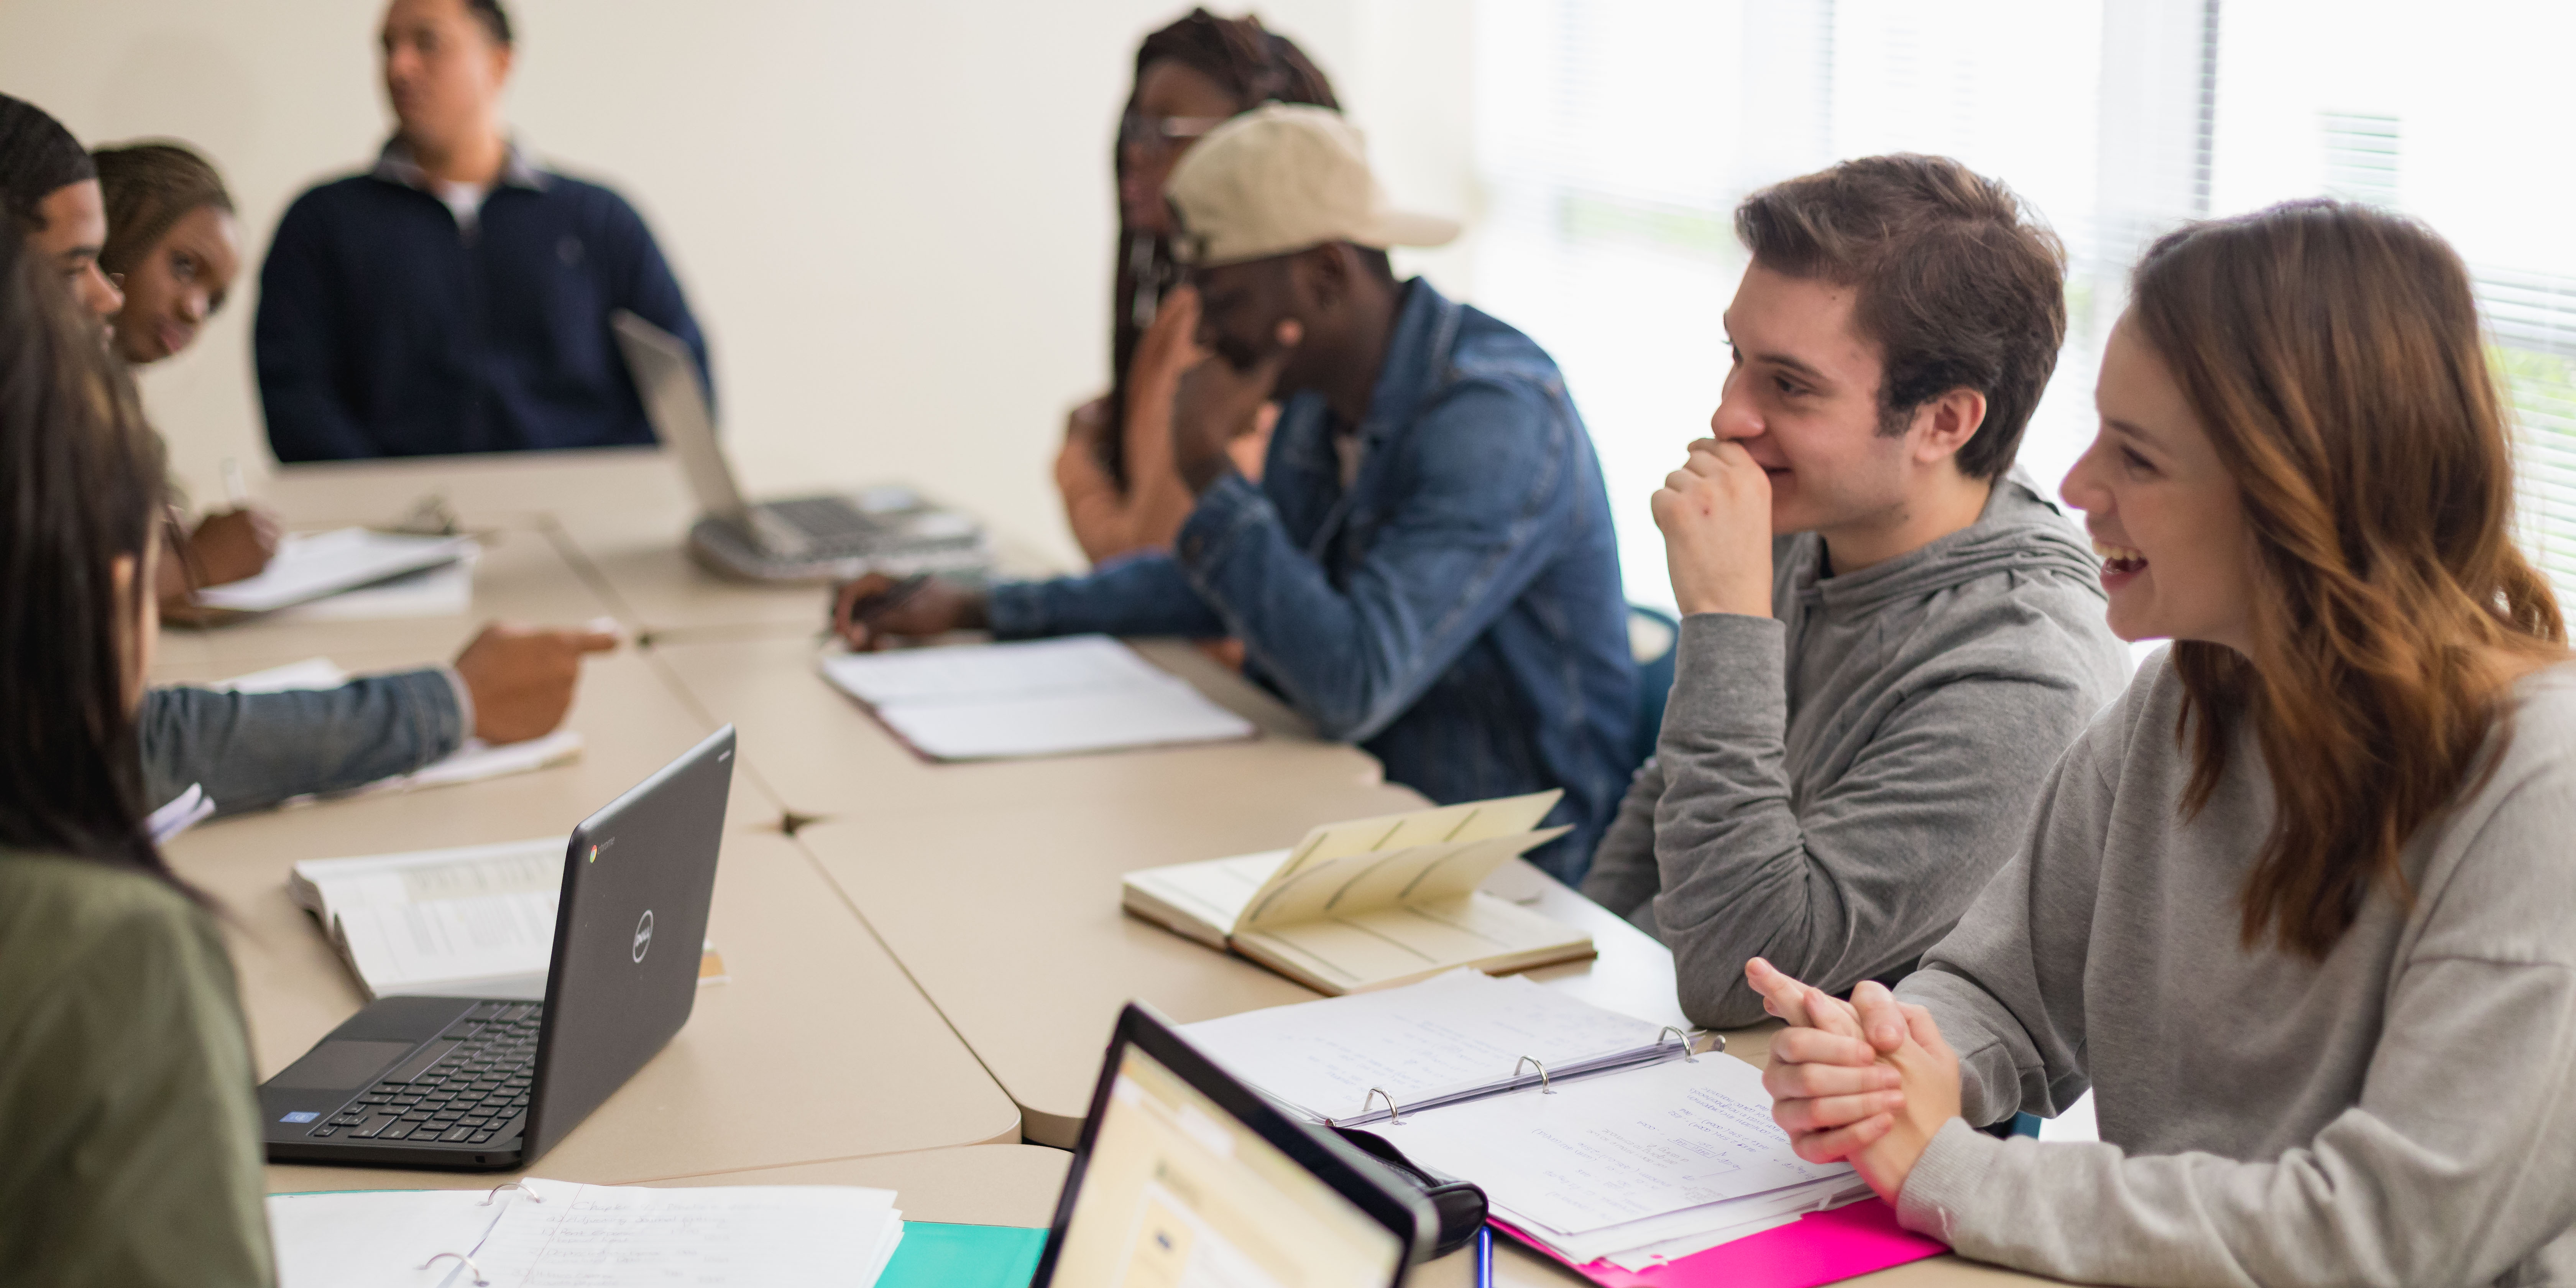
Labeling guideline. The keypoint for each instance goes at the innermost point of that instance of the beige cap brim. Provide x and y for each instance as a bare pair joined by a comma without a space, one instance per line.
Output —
1405,228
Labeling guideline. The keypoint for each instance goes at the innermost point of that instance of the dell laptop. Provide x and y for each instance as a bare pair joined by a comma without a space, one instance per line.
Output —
487,1084
1184,1175
810,538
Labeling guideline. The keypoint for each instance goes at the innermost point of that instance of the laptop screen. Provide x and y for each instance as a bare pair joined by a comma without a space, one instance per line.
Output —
1178,1193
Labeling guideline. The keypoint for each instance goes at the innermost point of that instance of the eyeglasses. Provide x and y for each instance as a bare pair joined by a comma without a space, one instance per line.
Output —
1163,133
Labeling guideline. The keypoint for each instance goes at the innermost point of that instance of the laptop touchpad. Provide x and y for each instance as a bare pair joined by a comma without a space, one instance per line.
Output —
340,1064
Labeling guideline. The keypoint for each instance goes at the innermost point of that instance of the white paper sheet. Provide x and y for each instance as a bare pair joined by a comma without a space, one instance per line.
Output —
1609,1150
378,1238
1453,1032
753,1236
443,591
556,1235
310,565
1037,698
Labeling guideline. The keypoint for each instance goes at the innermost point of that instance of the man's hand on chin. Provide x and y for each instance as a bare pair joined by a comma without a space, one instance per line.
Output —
1715,512
1218,403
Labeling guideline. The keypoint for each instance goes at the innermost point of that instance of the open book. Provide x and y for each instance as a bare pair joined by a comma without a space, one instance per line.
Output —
1083,693
475,921
1371,903
551,1232
1598,1137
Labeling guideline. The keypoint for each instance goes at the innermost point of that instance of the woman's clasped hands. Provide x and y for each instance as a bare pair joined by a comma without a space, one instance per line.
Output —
1867,1080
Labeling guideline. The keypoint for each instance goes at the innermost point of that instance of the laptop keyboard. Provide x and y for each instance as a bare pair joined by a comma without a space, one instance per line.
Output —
828,520
466,1088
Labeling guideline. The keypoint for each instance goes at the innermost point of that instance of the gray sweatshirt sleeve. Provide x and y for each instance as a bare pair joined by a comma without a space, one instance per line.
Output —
1623,878
1871,869
253,750
2451,1168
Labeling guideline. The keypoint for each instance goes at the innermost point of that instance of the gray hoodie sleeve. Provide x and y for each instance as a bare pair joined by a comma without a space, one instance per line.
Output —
1622,877
252,750
1865,873
2450,1167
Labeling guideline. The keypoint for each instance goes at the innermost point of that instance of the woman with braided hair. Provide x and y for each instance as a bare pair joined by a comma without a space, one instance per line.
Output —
1120,491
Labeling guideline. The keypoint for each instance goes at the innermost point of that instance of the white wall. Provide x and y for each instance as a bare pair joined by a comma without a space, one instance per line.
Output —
893,219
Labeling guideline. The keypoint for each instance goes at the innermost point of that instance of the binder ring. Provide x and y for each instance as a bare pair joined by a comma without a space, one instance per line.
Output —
495,1192
470,1267
1392,1117
1543,1088
1688,1056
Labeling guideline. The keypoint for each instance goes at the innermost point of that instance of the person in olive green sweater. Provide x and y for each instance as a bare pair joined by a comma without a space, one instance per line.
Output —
129,1136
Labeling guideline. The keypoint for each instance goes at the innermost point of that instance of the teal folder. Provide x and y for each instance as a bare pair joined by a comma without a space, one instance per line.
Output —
933,1255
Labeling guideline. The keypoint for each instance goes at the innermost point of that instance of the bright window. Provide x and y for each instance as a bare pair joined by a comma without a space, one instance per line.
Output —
1614,138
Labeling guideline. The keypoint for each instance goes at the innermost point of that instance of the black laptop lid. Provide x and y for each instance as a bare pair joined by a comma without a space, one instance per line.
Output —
1185,1175
629,928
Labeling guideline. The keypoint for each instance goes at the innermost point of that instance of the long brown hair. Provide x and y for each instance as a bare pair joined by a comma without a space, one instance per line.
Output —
81,485
1255,65
2333,353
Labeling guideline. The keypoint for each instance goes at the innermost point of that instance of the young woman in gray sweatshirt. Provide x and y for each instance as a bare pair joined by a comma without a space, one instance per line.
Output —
2300,909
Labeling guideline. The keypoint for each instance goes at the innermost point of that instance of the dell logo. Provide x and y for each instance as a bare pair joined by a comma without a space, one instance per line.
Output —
643,936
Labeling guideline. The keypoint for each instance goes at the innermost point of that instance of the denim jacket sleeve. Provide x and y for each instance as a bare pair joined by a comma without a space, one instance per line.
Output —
1482,486
1141,594
252,750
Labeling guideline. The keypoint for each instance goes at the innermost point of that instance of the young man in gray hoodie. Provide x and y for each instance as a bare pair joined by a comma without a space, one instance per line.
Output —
1888,636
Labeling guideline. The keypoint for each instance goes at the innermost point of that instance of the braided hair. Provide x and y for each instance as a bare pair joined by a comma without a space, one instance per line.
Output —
1256,66
148,187
38,158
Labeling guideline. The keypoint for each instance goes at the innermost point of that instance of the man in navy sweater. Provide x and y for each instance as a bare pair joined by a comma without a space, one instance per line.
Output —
456,298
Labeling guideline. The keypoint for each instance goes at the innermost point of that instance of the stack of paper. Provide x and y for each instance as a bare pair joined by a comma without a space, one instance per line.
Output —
473,761
309,566
1057,697
475,921
1634,1168
1371,903
542,1234
1630,1152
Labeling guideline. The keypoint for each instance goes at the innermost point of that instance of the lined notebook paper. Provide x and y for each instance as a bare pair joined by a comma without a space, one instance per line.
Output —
1083,693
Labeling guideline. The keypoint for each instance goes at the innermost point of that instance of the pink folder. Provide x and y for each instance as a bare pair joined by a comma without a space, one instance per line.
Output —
1819,1248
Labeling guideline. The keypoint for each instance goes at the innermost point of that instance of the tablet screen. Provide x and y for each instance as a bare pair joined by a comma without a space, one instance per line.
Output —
1180,1194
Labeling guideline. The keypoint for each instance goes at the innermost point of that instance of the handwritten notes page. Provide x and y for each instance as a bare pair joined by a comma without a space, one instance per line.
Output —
1607,1151
598,1236
1446,1036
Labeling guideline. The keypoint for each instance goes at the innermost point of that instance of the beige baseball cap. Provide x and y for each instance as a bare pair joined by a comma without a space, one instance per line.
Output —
1281,178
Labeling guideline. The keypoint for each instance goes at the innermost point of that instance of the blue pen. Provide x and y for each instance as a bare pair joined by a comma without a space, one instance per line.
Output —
1484,1256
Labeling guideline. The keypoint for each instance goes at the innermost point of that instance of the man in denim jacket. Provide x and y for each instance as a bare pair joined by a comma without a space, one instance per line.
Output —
1427,566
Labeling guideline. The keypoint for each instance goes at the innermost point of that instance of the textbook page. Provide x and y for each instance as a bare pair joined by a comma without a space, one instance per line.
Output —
752,1236
1607,1151
1455,1033
310,565
1031,698
477,919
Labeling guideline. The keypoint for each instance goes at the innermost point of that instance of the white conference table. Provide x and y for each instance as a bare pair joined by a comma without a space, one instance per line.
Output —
926,957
